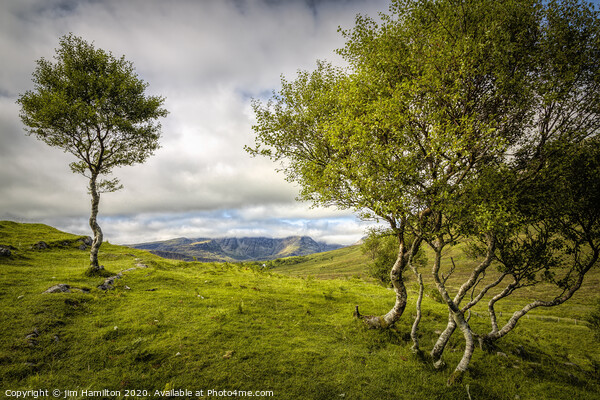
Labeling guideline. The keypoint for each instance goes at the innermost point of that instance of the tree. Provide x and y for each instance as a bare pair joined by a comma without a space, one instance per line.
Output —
449,115
298,126
534,241
425,101
92,105
561,241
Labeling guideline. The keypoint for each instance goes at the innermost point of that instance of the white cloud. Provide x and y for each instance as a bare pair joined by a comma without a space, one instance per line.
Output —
207,58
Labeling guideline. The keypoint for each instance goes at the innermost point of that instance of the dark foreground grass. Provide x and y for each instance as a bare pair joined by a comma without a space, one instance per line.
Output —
224,327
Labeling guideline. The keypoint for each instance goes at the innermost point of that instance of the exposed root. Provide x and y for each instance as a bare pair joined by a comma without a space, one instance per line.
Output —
372,321
439,364
487,344
455,378
416,350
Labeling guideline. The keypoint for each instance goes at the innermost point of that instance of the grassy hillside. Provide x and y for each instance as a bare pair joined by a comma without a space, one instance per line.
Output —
194,326
351,262
346,262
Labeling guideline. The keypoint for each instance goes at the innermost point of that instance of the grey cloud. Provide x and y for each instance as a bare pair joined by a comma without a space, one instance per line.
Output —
207,58
143,227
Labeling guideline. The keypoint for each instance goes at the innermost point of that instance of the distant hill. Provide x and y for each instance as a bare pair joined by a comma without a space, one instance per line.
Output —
235,249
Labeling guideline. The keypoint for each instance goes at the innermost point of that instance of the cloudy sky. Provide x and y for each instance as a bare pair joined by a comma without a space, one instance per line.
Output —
208,58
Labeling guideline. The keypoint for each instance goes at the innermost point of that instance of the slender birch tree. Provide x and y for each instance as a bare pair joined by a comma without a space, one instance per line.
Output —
93,106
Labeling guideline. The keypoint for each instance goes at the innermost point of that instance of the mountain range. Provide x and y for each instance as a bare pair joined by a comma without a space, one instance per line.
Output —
235,249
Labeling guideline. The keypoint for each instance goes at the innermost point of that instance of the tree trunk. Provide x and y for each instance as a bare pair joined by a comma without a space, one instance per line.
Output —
414,332
456,317
396,312
491,310
463,325
98,237
440,345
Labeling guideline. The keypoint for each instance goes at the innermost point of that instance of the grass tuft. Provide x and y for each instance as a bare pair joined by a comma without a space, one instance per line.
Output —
98,272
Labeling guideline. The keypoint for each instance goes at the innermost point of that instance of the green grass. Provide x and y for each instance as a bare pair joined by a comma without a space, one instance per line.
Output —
232,327
351,262
347,262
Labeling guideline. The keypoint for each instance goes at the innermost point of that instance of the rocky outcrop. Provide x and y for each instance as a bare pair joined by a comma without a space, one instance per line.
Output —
41,245
82,243
109,282
86,241
64,288
60,288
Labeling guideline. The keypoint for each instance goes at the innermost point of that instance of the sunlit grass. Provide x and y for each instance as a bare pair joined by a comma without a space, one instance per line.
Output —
239,326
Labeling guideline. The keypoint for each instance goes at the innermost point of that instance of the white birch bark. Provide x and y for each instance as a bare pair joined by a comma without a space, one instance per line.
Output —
396,312
98,236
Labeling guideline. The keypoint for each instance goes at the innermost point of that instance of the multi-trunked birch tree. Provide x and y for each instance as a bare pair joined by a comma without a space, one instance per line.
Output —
93,105
451,122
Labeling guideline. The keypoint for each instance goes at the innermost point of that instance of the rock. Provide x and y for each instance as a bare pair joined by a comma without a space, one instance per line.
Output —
31,338
41,245
5,251
109,283
35,333
501,354
60,288
86,240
